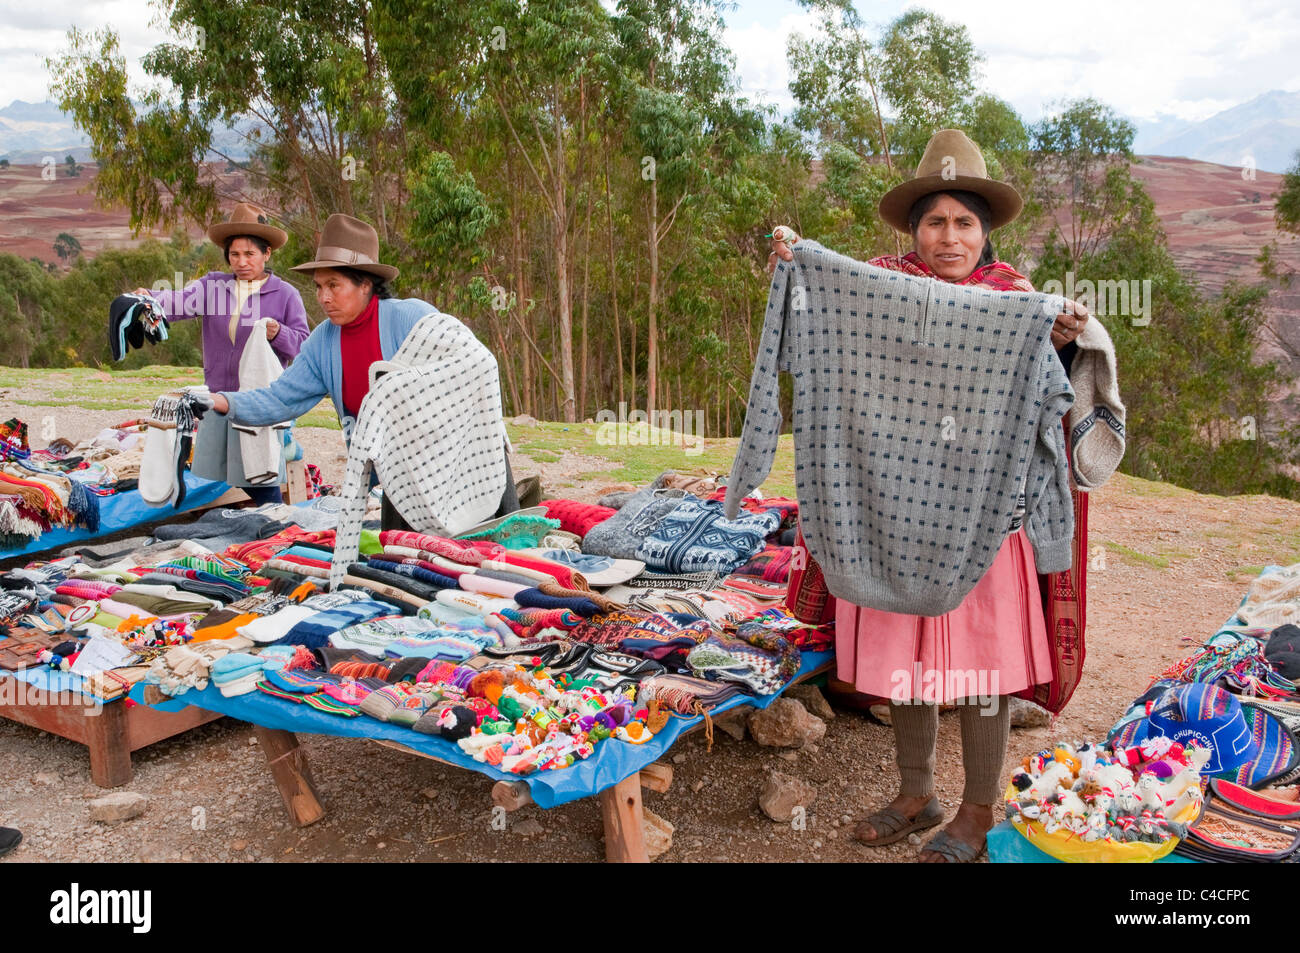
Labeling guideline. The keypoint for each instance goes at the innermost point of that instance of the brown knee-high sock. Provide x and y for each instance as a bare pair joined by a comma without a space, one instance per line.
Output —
915,729
984,737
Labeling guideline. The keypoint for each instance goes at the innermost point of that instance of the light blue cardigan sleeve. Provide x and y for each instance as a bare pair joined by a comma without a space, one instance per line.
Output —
317,372
292,394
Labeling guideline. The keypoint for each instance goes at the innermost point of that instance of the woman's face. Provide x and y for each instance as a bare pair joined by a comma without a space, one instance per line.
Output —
247,261
950,239
340,299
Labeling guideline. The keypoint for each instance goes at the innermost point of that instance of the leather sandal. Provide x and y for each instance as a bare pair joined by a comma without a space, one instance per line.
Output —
952,850
892,825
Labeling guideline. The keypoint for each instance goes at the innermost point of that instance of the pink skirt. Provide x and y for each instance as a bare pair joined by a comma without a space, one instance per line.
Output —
994,643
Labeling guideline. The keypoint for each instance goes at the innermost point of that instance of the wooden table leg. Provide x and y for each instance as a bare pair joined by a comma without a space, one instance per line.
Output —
288,763
110,753
620,808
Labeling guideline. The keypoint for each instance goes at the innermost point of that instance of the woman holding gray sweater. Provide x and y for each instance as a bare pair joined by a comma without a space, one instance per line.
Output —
1005,628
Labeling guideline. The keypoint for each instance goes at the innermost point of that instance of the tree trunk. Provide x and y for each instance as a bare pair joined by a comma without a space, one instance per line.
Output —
562,263
652,335
613,278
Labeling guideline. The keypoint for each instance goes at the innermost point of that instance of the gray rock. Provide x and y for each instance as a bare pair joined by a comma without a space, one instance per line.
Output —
118,806
734,721
813,700
524,420
782,793
658,833
529,827
786,724
1025,714
156,853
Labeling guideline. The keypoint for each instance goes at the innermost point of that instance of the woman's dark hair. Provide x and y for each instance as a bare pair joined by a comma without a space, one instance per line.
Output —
262,244
377,285
973,202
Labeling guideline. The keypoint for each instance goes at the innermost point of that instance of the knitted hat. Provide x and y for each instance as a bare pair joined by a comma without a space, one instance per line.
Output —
1199,714
1278,755
127,327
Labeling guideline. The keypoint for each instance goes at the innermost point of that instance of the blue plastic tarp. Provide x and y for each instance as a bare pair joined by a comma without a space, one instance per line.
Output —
122,511
613,760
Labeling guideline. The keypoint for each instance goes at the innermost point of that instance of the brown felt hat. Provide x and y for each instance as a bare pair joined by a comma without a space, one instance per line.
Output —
951,162
247,220
347,242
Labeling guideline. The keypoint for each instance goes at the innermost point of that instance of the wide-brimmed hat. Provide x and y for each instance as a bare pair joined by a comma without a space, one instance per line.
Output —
951,162
347,242
247,220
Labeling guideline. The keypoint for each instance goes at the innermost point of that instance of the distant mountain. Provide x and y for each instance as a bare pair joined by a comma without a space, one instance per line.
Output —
1266,128
31,131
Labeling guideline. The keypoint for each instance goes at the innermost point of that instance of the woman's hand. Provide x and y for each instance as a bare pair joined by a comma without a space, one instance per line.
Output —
1069,323
783,236
272,329
220,404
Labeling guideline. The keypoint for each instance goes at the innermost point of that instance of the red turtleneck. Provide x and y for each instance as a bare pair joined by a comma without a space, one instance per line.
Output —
360,348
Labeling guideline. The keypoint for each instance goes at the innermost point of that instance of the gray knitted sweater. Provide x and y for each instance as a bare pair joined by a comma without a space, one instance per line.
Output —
920,409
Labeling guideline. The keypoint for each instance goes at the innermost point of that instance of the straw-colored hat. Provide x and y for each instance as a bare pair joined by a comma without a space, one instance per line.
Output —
951,162
347,242
247,220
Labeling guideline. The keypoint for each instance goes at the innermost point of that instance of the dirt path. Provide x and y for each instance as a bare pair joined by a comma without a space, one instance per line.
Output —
1165,565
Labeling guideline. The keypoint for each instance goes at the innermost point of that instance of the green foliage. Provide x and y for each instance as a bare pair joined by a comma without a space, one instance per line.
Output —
59,320
1197,400
1287,210
1081,164
66,246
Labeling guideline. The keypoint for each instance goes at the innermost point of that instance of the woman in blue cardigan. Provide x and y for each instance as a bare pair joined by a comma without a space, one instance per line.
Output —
366,324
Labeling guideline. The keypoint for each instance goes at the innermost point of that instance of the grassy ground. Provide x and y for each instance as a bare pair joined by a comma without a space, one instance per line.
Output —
638,456
133,390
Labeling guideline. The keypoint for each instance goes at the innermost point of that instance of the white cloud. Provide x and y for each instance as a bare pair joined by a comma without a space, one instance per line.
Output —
760,54
34,32
1187,58
1183,58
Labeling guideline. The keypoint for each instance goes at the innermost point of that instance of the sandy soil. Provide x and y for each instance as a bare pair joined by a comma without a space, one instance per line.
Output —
211,797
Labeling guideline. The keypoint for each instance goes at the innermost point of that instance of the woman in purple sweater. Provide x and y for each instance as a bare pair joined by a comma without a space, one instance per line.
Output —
230,304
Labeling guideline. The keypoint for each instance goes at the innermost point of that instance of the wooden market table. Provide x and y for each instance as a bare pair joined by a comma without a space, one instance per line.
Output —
620,805
110,730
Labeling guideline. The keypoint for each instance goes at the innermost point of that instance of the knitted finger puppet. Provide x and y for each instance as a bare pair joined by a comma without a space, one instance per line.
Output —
457,723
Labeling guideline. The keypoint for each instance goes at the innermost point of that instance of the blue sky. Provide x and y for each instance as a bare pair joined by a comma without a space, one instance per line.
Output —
1183,58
